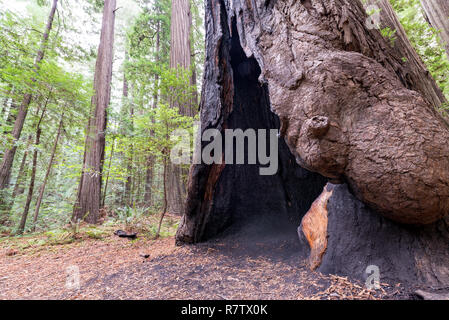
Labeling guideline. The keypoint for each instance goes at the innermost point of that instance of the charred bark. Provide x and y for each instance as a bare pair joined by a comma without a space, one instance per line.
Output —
221,195
356,237
346,110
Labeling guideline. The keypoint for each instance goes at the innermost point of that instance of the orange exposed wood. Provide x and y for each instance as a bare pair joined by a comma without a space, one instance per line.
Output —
314,227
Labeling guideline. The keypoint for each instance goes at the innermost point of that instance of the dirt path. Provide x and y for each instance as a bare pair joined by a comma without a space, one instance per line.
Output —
115,268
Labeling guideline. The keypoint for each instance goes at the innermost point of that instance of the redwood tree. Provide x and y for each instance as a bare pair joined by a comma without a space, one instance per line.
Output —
180,57
87,205
335,90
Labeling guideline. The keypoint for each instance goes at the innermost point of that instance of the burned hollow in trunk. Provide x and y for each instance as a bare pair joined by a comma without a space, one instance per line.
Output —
236,196
345,112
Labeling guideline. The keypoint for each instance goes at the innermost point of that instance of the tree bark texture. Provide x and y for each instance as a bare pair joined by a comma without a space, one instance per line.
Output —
180,52
87,205
345,108
180,57
437,14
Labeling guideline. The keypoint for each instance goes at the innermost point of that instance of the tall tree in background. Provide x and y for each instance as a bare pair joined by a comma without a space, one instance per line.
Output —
150,157
8,158
414,71
180,57
88,201
47,173
38,134
437,14
129,127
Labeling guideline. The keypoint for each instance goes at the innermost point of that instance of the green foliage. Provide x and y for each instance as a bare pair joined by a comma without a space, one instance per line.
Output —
53,85
389,34
425,40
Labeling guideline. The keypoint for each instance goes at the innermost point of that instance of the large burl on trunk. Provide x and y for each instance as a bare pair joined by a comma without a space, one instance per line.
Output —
346,112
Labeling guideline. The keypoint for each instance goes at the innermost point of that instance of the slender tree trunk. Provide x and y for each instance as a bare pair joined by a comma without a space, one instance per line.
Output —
413,69
47,173
109,171
8,158
87,205
5,101
138,187
129,179
437,14
4,107
148,180
165,200
129,110
180,57
26,209
18,190
150,158
11,118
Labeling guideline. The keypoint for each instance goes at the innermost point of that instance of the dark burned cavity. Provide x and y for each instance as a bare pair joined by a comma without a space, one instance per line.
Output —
259,208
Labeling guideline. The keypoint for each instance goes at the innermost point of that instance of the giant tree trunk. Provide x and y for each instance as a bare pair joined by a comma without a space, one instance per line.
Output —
336,91
413,69
88,201
180,57
437,14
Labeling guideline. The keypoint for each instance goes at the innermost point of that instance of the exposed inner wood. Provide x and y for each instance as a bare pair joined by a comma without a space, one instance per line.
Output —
314,227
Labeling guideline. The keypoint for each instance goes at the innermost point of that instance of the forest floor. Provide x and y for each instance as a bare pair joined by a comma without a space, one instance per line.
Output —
38,267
